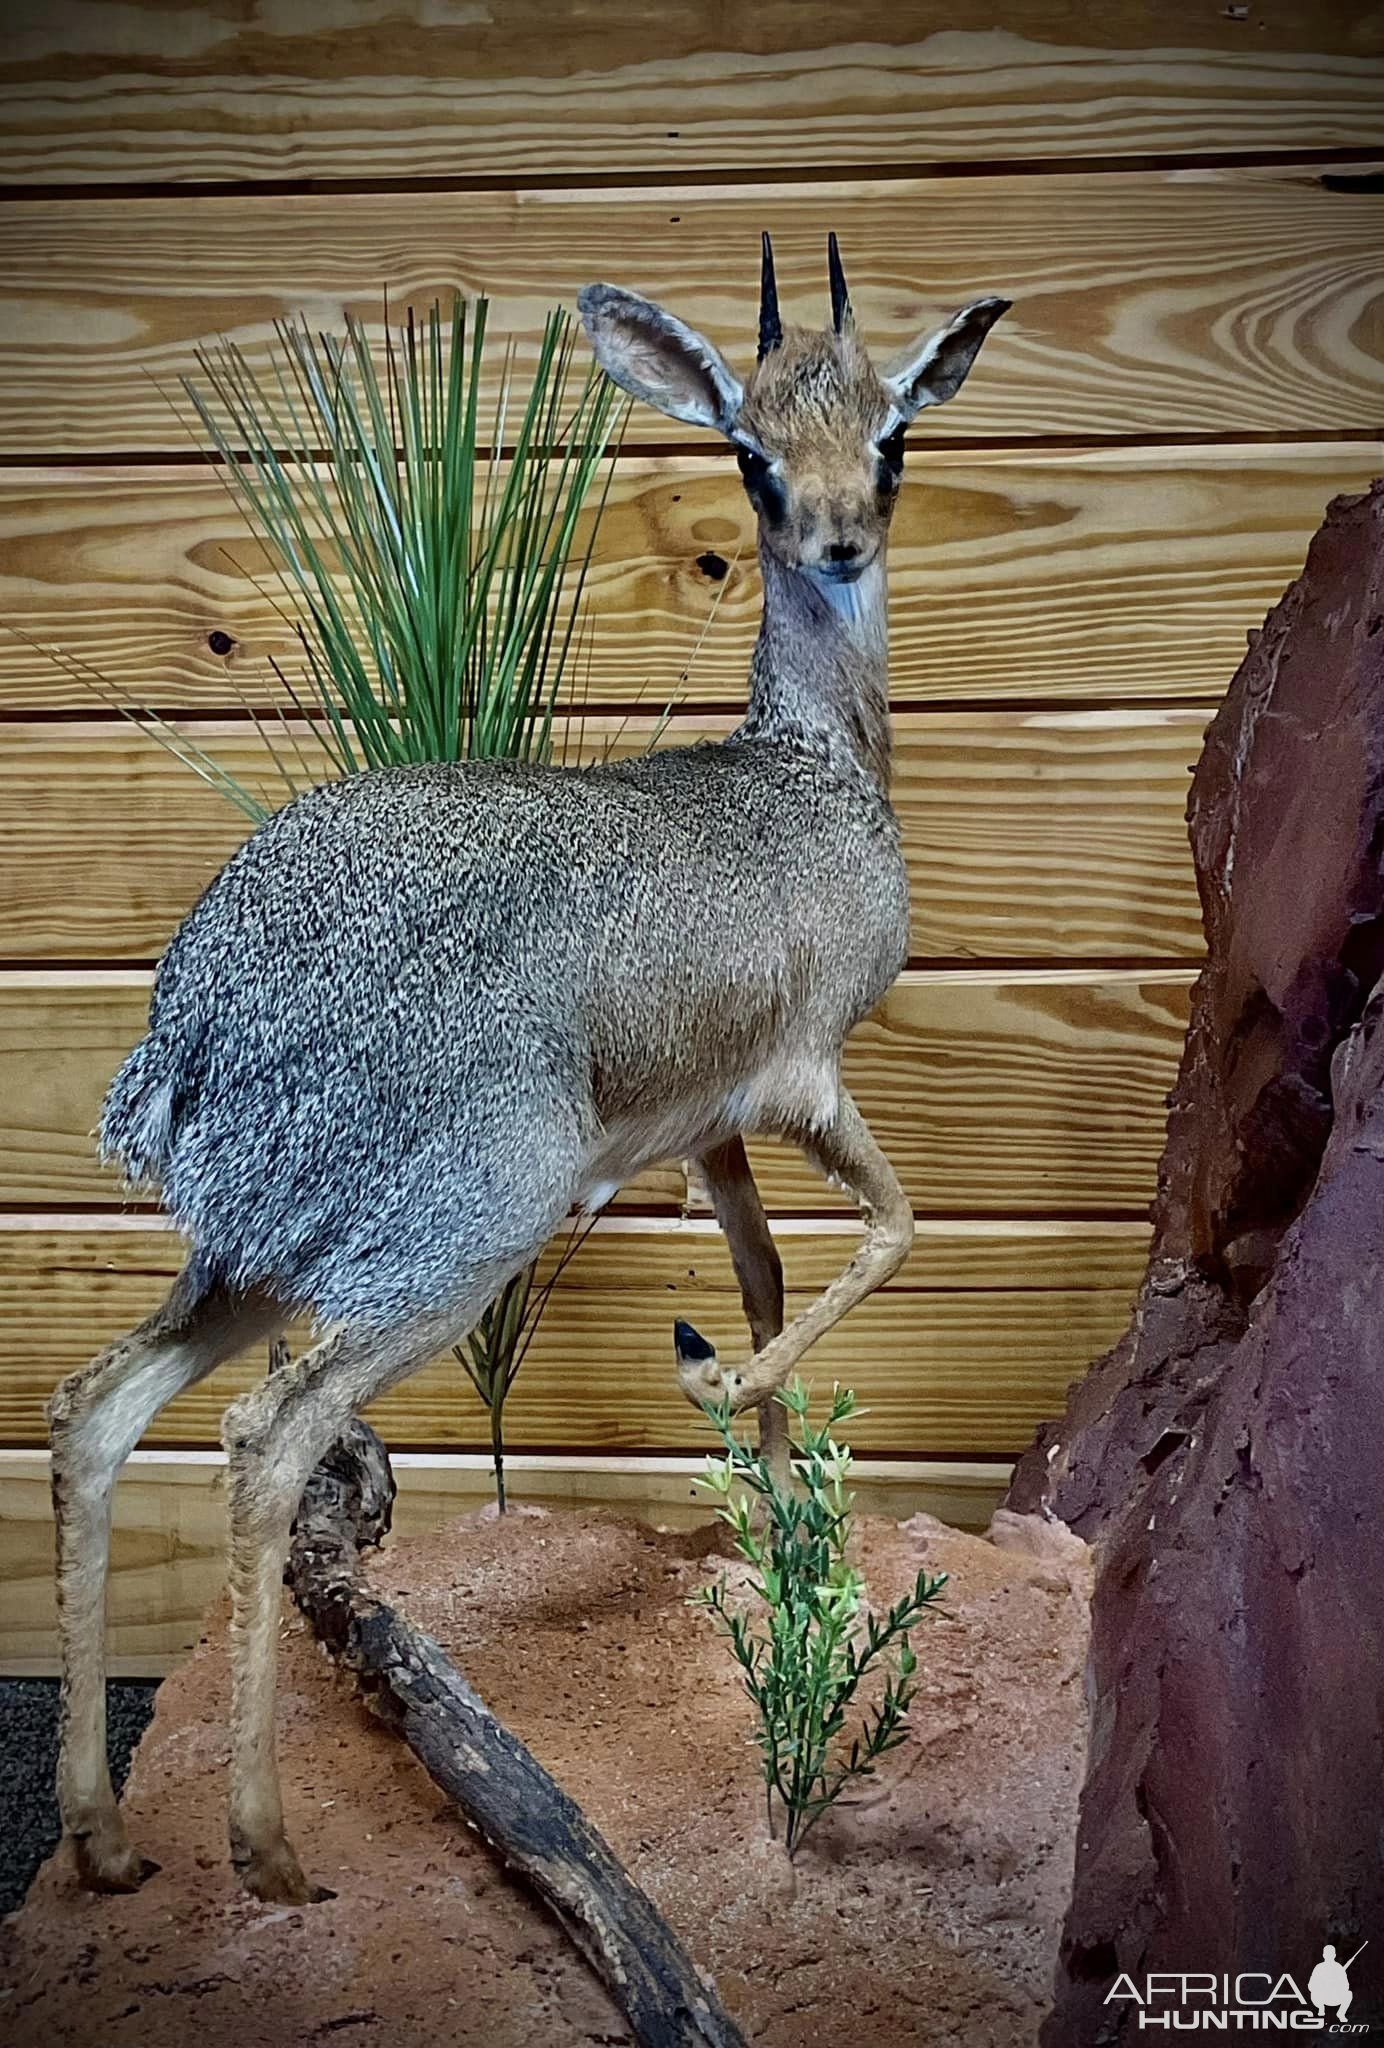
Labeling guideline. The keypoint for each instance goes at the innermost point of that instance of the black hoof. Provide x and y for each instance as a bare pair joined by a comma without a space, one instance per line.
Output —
116,1879
689,1344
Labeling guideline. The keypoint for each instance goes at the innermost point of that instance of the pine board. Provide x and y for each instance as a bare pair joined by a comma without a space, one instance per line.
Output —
1061,576
168,1551
961,1355
212,91
1032,1093
1147,304
1028,834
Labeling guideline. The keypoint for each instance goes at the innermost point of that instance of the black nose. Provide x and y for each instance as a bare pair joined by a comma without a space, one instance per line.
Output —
843,551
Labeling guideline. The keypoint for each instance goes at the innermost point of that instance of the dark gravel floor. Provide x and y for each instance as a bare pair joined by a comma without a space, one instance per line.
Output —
28,1760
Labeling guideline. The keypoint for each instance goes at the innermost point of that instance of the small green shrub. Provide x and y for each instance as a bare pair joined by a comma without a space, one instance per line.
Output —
805,1659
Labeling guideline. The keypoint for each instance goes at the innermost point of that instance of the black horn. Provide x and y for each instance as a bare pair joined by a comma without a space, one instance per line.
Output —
840,297
770,326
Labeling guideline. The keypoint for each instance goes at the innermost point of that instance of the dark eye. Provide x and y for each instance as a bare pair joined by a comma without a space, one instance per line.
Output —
763,486
891,457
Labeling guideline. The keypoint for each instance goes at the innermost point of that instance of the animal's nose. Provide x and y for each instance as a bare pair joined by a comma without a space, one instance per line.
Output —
843,551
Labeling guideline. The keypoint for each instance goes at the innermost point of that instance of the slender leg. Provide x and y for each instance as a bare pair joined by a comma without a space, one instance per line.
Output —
759,1270
845,1152
96,1418
274,1437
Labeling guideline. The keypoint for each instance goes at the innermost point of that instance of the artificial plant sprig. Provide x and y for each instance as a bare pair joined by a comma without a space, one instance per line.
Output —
804,1660
429,565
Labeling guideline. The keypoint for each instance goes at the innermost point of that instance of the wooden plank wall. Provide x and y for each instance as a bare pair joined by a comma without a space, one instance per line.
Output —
1193,234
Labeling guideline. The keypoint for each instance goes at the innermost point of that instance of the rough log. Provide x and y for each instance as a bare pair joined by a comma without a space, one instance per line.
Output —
1225,1456
499,1786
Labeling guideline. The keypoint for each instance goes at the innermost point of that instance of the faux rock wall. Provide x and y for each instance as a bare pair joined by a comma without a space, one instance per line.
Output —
1228,1455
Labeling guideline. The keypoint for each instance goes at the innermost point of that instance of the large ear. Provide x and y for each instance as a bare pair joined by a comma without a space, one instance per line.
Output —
934,370
658,358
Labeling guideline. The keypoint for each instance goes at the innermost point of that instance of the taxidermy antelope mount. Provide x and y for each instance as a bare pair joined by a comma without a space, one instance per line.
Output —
426,1011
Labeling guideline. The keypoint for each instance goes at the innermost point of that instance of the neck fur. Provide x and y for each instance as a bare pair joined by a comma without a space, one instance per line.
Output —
820,674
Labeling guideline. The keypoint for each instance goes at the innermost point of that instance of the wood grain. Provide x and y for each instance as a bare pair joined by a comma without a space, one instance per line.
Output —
961,1355
1224,303
1030,835
1030,1093
211,90
168,1553
1068,575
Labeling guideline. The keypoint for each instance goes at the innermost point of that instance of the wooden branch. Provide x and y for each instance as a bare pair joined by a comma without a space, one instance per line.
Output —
499,1786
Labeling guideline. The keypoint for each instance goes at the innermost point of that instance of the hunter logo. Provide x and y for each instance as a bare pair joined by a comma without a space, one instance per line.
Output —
1257,2001
1328,1985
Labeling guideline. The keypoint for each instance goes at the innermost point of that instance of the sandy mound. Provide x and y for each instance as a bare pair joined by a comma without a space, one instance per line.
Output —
929,1912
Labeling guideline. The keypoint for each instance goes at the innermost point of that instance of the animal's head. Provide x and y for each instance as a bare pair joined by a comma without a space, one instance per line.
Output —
817,429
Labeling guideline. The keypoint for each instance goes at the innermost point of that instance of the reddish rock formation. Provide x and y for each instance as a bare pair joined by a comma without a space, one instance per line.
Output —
1227,1454
1287,826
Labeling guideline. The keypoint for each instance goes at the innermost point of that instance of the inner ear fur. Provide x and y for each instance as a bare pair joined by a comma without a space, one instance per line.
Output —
658,358
935,369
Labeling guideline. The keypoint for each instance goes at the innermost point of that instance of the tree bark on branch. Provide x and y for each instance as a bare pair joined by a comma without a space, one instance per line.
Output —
502,1789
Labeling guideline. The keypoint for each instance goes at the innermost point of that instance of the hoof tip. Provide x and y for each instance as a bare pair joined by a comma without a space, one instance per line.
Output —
275,1877
690,1344
117,1878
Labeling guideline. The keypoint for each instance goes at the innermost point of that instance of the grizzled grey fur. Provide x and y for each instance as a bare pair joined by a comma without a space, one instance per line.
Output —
424,1010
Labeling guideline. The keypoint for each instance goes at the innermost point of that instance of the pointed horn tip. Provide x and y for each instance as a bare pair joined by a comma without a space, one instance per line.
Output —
841,310
770,324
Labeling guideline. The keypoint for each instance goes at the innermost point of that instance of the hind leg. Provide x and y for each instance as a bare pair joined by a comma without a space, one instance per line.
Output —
274,1437
759,1269
96,1418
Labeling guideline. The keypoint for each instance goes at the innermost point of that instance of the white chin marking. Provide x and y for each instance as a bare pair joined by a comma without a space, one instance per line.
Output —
857,604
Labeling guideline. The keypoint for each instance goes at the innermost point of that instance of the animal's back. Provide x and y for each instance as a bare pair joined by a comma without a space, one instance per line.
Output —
401,972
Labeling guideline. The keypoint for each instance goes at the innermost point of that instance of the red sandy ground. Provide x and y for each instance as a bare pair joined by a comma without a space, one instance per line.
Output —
929,1912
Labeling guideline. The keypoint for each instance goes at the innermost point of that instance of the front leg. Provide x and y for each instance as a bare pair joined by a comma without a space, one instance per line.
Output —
846,1152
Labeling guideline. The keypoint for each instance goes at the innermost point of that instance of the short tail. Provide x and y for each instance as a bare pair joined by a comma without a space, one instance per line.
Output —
139,1118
